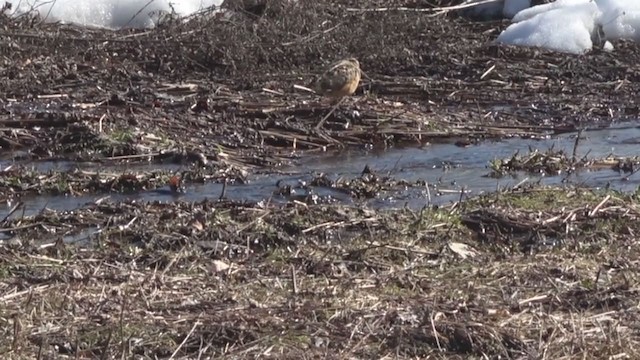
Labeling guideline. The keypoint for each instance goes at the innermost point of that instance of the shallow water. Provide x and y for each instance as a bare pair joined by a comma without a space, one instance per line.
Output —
447,169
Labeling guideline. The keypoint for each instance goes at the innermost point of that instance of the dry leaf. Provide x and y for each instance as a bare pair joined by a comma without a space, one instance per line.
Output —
197,225
219,266
463,250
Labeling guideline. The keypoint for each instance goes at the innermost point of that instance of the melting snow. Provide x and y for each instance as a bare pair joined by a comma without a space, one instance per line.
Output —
572,25
110,13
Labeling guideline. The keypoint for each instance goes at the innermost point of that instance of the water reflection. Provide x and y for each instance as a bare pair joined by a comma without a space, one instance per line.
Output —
447,169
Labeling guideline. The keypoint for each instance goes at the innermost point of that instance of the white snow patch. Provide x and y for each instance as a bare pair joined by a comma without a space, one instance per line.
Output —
566,29
572,25
110,13
533,11
620,19
607,46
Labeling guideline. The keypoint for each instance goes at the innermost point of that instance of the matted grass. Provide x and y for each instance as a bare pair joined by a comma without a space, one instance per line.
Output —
544,273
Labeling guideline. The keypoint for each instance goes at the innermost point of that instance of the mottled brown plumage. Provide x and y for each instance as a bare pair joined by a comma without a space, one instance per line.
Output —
341,79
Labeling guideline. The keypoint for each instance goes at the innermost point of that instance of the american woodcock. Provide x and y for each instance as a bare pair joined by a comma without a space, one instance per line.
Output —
340,80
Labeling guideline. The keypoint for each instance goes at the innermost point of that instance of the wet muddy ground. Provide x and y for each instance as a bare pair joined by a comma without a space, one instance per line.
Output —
411,177
470,200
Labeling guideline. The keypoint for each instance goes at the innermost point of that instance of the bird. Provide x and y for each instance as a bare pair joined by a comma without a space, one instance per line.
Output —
341,79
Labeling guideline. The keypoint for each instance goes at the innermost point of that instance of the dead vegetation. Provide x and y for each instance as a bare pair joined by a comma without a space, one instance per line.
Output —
544,273
537,272
560,162
227,83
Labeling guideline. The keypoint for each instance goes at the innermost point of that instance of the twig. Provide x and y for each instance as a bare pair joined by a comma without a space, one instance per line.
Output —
185,339
223,193
303,88
105,349
125,227
311,37
125,157
21,227
329,114
521,183
533,299
575,146
123,309
336,224
487,72
595,209
437,9
24,292
294,279
40,347
14,209
53,96
17,328
280,93
435,333
138,13
325,224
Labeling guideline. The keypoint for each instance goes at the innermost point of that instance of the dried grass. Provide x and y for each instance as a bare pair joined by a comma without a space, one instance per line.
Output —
221,279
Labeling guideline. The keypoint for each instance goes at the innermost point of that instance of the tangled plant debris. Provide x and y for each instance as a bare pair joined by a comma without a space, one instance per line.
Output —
533,272
223,278
215,83
556,162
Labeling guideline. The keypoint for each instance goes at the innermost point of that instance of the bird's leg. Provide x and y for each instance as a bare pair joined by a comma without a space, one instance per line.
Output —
329,114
